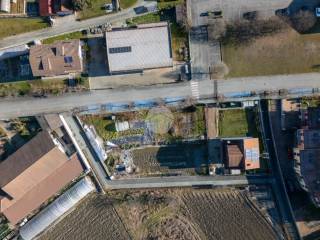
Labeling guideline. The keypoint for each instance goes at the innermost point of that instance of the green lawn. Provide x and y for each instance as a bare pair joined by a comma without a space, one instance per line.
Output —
148,18
127,3
237,123
165,4
13,26
54,86
283,53
68,36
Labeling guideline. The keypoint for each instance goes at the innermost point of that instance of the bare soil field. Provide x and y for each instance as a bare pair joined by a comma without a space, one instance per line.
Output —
284,53
95,218
193,214
166,214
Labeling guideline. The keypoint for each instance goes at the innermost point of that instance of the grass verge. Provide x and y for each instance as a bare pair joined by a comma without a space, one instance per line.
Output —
13,26
127,3
68,36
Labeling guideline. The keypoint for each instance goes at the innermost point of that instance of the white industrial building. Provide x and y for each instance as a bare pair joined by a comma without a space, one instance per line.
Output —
147,46
56,209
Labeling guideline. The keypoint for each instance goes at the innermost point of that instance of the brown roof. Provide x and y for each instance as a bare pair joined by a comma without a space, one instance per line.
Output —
15,210
59,58
24,157
36,173
234,156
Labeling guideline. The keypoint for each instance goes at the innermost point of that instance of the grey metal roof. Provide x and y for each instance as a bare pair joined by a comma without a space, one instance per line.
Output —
145,47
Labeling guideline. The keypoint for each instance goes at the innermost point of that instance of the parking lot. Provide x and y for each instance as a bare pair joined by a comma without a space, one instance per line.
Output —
233,9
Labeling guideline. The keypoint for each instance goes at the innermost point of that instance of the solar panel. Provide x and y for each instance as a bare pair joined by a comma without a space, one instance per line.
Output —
120,50
252,154
68,59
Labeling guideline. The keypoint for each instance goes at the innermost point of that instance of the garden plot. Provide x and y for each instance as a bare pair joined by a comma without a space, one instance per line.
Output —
186,158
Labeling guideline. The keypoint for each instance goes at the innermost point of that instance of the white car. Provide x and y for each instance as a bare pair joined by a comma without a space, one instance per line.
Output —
318,11
108,7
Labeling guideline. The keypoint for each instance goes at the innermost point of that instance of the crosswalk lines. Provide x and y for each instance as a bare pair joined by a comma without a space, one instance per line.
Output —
195,89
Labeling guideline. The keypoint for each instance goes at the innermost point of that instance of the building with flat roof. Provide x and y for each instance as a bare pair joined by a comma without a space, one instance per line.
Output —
59,58
33,174
307,162
147,46
241,153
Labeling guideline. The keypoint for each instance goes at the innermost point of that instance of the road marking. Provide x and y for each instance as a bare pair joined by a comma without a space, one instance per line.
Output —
195,89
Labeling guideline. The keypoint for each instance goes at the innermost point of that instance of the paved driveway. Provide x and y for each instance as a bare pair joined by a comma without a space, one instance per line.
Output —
203,53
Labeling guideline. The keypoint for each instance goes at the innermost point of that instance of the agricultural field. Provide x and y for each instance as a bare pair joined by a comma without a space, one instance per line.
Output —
94,218
192,214
237,123
182,159
165,215
271,55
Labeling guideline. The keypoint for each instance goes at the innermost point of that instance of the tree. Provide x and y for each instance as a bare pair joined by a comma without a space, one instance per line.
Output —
219,70
216,29
78,5
303,20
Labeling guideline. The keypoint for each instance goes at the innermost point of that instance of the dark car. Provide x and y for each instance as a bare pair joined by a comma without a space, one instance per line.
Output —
250,15
283,12
214,14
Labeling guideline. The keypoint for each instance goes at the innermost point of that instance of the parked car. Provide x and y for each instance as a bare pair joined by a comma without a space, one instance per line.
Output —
213,14
317,11
108,7
283,12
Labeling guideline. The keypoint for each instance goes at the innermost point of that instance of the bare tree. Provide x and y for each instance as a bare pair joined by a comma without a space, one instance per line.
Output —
219,71
245,31
216,29
303,20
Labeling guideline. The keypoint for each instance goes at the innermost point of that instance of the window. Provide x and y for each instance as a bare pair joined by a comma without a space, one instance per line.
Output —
120,50
54,50
68,59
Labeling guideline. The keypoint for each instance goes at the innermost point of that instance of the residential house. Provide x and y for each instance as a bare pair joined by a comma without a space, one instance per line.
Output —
59,58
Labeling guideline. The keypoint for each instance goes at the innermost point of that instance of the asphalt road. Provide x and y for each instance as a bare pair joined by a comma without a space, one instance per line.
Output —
70,26
279,189
24,106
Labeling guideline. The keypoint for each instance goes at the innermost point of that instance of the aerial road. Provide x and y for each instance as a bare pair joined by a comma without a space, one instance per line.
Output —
28,106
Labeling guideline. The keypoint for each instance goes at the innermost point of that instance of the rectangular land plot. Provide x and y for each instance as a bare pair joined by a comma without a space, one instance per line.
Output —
186,158
283,53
